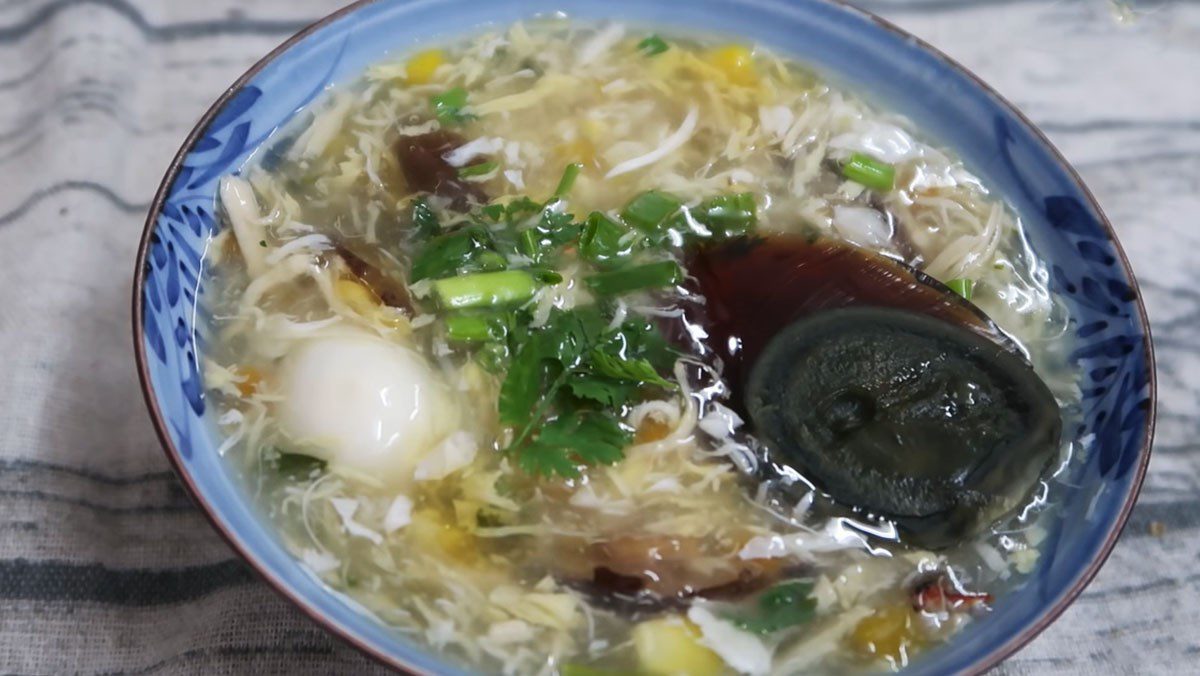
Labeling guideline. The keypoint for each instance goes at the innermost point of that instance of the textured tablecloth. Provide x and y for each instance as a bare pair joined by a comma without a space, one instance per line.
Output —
105,566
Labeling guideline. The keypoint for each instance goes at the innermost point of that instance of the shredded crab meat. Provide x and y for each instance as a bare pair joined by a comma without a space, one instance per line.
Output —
669,145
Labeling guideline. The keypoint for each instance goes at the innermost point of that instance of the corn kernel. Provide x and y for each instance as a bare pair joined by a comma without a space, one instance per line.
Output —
651,429
888,633
433,533
251,379
672,646
580,150
422,66
736,62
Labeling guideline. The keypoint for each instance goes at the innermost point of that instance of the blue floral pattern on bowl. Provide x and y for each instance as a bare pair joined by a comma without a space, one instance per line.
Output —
1065,228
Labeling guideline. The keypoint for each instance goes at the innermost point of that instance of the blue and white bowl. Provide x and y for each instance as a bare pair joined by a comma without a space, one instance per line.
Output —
1064,223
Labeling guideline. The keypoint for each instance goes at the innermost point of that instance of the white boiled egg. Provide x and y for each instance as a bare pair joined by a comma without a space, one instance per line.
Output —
369,406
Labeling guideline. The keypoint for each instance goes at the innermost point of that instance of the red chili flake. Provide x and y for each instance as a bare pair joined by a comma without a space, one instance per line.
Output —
938,595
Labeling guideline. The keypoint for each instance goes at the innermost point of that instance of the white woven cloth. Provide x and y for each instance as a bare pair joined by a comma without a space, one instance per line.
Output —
106,567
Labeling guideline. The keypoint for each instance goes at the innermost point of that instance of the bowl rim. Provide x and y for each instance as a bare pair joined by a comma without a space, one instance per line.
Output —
983,664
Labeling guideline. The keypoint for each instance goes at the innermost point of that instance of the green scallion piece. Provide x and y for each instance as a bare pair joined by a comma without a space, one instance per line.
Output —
529,244
493,212
480,169
600,241
484,289
448,106
653,46
424,221
472,328
487,261
868,171
568,179
963,287
545,275
728,215
624,280
649,209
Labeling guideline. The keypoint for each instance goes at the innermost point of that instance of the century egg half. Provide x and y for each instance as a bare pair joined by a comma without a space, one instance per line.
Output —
888,391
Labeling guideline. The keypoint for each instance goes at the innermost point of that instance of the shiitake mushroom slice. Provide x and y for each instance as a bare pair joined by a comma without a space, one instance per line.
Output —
892,394
426,169
642,575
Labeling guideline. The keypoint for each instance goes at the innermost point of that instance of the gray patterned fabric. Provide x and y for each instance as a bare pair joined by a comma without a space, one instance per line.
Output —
105,566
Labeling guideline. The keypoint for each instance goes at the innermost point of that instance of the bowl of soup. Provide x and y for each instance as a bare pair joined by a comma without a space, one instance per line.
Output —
594,338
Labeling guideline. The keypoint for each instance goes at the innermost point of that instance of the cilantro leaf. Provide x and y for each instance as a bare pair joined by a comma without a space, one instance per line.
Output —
467,249
629,370
522,387
643,339
589,438
603,391
570,335
540,459
783,606
576,372
448,106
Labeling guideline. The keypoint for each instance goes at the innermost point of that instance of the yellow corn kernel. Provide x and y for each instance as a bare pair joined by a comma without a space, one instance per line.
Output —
358,296
433,534
580,150
671,647
651,429
251,379
421,67
888,633
736,62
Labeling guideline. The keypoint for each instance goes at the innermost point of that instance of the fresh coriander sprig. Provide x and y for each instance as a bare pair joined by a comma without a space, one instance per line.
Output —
558,375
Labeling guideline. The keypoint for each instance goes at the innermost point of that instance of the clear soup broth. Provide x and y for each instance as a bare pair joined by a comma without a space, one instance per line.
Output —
585,348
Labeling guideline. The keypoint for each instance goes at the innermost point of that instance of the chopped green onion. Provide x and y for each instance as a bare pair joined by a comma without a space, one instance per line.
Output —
530,244
424,220
785,606
558,228
728,215
653,46
448,106
568,179
870,172
487,261
480,169
484,289
493,211
650,275
473,328
520,208
963,287
601,239
546,275
649,209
